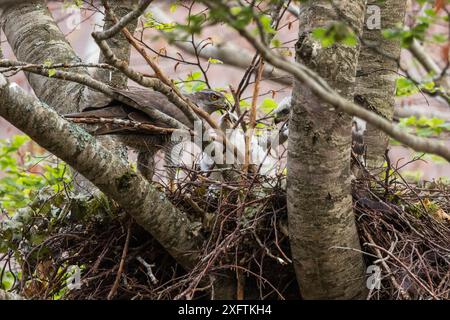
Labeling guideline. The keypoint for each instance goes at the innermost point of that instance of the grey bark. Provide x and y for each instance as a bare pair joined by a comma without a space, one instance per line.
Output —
376,76
35,38
5,295
318,190
149,207
121,48
118,44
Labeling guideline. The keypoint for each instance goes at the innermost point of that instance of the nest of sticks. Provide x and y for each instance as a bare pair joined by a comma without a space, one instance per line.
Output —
404,230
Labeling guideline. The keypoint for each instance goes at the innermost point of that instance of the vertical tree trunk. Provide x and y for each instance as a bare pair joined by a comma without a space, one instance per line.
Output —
118,44
378,63
319,196
121,48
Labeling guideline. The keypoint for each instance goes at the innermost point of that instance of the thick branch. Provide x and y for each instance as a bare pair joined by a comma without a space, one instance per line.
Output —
35,38
429,64
150,208
124,21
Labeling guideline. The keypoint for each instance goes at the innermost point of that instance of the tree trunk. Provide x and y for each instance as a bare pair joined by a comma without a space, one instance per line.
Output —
376,76
118,44
321,219
121,48
35,38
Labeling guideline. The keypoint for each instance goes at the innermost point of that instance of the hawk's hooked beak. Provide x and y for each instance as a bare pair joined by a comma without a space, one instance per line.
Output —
223,108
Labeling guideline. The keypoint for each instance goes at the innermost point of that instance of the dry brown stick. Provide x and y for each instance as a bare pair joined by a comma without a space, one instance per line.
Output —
122,263
240,294
252,123
128,124
202,213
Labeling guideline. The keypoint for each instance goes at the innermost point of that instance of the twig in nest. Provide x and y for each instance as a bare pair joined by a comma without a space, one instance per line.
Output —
149,269
122,263
202,213
403,293
128,124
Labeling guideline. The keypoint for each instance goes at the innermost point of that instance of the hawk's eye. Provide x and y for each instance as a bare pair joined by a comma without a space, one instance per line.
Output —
214,97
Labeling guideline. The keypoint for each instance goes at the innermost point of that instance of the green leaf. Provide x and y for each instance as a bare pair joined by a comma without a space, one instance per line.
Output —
405,87
268,105
51,72
195,75
430,86
173,7
73,3
276,42
266,22
150,22
215,61
319,33
440,38
337,32
350,41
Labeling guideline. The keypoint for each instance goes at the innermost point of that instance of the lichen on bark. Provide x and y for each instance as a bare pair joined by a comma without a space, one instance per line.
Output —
36,38
321,219
377,74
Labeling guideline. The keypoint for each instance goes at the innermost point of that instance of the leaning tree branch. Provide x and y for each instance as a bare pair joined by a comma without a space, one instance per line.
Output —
16,67
149,207
131,125
320,88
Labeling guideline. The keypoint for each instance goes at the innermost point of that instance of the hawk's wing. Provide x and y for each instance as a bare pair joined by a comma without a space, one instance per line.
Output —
144,97
150,98
104,107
